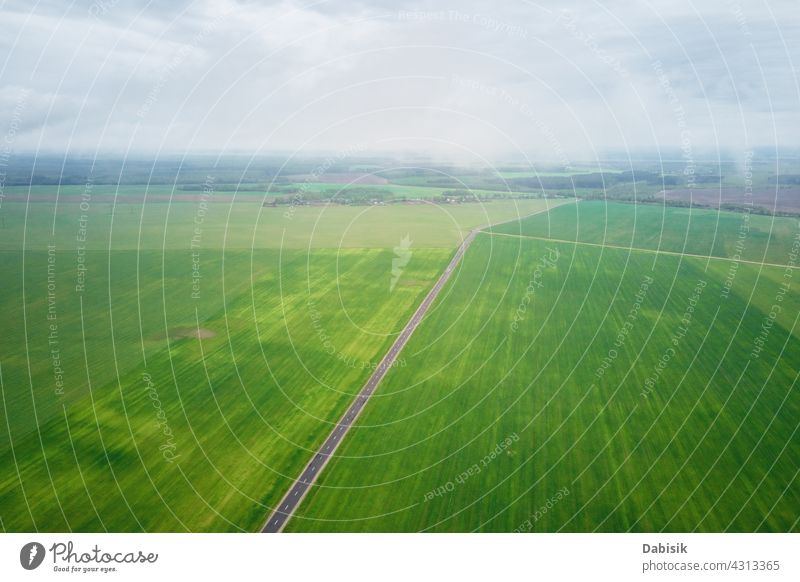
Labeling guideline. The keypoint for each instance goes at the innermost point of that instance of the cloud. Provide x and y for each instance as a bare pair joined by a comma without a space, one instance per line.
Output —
461,77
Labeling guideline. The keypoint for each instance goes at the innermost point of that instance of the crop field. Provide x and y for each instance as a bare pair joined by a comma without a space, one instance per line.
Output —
768,197
151,386
680,230
307,268
575,172
396,190
174,366
563,387
411,188
247,378
242,225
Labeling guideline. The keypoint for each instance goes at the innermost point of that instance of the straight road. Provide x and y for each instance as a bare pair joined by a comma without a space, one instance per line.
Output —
277,520
309,475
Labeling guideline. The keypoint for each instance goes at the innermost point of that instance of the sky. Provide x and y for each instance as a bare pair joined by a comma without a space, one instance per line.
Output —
476,80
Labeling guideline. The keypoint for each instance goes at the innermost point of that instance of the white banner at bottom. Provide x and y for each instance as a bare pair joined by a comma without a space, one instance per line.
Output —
356,557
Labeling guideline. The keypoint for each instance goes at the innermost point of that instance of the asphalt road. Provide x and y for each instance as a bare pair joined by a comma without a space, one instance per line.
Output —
292,499
277,520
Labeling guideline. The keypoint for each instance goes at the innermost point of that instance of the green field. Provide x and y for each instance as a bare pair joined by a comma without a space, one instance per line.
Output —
193,408
706,440
285,351
550,174
399,190
679,230
405,188
244,225
249,368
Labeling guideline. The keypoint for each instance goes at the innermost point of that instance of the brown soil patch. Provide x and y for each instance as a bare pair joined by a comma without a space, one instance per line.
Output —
782,199
411,283
191,332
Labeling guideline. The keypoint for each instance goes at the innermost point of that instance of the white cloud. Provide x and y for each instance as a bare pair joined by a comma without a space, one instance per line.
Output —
330,75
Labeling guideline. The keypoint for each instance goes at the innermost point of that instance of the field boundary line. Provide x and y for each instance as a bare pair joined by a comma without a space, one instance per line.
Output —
639,249
283,512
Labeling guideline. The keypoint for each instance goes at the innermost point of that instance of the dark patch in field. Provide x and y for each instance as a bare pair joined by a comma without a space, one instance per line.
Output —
411,283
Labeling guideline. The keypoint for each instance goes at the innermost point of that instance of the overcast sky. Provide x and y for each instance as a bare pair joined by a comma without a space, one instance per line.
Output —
555,80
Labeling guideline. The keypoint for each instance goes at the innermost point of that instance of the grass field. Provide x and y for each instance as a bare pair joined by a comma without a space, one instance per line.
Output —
407,188
244,225
681,230
549,174
164,402
401,189
249,363
525,406
287,334
243,403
